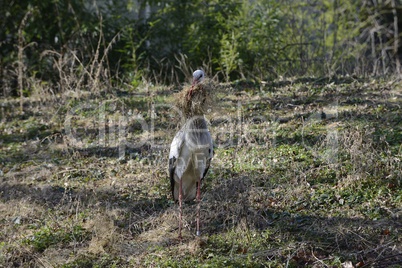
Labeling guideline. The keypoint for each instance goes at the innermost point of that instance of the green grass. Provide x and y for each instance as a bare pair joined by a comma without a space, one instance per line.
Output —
305,173
46,237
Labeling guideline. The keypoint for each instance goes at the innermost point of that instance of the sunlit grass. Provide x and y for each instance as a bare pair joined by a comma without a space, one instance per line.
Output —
303,175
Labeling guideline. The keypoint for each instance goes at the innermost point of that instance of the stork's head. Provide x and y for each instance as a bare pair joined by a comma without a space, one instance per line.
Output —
198,76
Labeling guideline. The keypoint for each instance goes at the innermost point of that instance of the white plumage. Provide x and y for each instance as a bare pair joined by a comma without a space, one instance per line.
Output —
190,155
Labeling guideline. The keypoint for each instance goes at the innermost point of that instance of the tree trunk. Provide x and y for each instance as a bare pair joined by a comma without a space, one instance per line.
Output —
396,39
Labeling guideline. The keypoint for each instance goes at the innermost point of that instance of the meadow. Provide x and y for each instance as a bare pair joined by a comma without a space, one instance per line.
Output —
307,172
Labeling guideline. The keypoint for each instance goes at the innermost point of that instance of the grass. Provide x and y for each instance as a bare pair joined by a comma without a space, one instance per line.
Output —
305,173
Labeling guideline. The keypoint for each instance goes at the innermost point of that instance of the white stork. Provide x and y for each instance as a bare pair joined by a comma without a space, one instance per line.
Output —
190,155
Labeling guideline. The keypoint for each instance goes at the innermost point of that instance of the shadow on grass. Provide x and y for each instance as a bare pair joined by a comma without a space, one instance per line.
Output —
374,243
227,205
133,220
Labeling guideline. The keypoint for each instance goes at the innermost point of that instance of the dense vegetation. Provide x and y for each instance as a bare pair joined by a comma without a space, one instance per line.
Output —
128,41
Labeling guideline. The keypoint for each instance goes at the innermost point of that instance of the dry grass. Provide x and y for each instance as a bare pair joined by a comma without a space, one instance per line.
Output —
287,187
196,100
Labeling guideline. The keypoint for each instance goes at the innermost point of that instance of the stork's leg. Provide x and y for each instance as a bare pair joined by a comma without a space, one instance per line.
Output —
180,206
198,205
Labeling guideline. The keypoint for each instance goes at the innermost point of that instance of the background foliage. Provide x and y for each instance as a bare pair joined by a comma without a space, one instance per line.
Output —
162,41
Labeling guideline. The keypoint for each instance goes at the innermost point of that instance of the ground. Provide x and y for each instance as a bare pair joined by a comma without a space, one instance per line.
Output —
306,172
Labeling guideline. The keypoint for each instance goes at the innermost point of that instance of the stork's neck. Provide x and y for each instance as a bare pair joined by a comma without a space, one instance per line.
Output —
196,122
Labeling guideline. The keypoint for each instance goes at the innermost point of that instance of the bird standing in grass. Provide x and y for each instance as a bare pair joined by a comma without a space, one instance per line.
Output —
191,150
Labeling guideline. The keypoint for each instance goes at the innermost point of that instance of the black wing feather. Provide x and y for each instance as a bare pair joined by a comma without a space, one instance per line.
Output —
208,164
172,167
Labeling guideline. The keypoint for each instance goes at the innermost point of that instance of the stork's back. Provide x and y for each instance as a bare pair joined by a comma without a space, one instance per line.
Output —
193,157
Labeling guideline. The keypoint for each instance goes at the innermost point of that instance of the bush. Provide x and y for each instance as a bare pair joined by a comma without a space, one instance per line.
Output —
163,41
